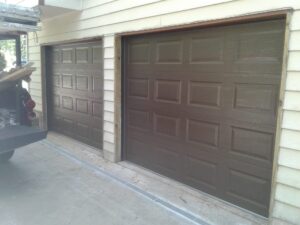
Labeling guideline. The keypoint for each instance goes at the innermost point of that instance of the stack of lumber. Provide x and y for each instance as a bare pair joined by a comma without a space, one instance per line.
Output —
10,79
16,74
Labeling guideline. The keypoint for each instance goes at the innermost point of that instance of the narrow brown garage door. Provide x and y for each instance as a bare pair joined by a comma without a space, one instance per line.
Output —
200,107
75,87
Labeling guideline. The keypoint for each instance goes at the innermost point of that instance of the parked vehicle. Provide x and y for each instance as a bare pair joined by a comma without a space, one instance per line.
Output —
16,104
16,116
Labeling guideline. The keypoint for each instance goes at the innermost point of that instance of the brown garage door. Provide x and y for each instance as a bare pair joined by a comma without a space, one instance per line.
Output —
75,87
200,107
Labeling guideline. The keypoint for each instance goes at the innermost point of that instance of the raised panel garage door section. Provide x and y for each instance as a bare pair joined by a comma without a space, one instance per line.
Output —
75,91
201,105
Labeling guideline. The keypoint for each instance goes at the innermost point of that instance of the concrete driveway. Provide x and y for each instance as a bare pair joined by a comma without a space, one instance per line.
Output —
42,186
61,181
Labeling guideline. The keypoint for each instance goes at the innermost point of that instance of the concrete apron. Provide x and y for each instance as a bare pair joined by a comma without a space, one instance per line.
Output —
182,199
43,185
187,205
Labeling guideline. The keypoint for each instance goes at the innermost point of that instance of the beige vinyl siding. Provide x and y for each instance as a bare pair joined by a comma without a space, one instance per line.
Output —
35,86
106,18
109,106
93,3
293,83
287,175
287,194
286,211
157,14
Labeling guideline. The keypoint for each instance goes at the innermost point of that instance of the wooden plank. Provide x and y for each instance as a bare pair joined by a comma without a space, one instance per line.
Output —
17,75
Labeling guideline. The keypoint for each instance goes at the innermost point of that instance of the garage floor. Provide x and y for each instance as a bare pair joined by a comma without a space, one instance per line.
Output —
61,181
43,186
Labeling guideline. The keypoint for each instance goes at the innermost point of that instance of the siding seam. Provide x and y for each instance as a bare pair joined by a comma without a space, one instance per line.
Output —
291,110
289,186
292,206
105,3
288,167
296,150
291,129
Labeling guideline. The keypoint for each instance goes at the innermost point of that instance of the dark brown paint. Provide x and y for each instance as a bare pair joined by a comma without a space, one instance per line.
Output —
75,91
201,105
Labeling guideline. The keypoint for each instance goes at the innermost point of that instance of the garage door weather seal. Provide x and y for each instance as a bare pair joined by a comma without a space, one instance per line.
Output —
100,171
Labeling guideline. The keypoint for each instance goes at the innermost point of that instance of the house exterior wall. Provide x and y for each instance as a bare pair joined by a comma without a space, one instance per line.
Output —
106,18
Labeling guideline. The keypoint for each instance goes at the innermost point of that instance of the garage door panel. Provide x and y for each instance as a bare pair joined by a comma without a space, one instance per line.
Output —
139,52
97,55
75,91
247,190
83,55
159,107
206,50
202,133
166,125
80,107
260,162
260,79
56,122
97,135
139,119
202,173
211,97
67,103
252,145
97,82
67,55
167,161
169,52
204,93
56,80
155,137
255,97
56,102
247,185
203,114
257,47
82,131
257,68
255,50
138,88
66,126
139,152
67,81
192,76
78,94
249,116
196,68
96,109
261,127
82,82
167,91
72,115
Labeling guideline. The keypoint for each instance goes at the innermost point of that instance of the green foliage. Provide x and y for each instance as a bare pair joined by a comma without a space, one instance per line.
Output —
2,62
8,45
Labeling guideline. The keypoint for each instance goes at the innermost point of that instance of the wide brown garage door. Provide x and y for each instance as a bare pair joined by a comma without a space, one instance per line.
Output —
200,107
75,87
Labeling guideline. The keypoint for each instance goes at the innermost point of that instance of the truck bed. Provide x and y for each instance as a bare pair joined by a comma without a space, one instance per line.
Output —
17,136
